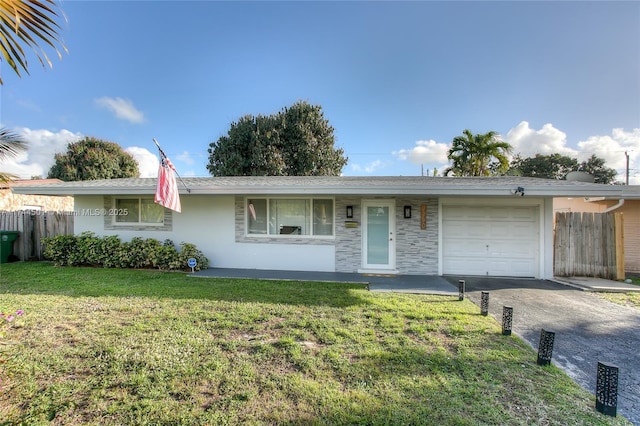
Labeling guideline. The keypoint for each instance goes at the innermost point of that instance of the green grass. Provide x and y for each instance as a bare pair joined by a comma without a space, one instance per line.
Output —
104,346
626,299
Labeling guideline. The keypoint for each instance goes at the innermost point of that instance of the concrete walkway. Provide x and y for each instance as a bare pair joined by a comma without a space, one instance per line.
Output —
598,284
588,329
416,284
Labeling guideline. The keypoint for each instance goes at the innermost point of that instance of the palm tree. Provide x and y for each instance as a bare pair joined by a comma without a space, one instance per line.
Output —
11,144
28,22
478,155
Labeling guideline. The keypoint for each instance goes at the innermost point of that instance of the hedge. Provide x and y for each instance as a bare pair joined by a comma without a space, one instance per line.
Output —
110,252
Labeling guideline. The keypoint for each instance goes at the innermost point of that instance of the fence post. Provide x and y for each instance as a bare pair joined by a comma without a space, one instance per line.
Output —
545,347
484,303
461,285
607,389
507,319
619,245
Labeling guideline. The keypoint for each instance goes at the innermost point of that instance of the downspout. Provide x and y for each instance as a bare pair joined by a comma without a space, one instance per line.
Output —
615,206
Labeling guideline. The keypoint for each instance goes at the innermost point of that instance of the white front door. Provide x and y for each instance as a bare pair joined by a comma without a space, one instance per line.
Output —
378,236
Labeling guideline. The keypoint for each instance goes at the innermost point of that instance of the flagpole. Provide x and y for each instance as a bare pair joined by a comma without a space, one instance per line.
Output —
174,169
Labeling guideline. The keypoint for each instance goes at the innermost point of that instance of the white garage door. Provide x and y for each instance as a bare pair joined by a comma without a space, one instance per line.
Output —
493,241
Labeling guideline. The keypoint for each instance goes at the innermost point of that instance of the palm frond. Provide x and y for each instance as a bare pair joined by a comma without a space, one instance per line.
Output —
30,23
472,155
7,177
11,144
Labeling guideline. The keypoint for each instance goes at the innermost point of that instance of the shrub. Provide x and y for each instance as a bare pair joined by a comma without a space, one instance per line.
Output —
189,250
59,249
166,257
111,252
87,250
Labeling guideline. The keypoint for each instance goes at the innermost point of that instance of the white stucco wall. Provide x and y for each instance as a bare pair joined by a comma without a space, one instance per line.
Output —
209,223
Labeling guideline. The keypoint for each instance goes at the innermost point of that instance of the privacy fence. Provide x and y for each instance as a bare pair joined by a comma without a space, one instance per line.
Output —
33,225
589,245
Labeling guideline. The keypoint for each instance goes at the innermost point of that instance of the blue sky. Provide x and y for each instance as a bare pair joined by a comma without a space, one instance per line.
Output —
397,80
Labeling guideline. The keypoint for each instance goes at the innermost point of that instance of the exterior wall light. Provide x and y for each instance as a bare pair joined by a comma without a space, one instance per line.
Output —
349,212
407,212
519,191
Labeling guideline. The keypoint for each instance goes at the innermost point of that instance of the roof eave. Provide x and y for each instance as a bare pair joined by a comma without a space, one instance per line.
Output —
502,191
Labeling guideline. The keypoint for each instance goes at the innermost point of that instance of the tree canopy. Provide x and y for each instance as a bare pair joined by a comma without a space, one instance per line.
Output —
553,166
596,167
297,141
556,166
31,24
478,155
91,159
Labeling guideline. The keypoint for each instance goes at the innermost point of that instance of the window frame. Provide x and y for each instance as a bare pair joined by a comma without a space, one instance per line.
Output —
308,219
113,213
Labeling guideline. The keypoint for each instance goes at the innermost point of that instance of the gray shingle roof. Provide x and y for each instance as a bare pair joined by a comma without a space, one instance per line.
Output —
334,185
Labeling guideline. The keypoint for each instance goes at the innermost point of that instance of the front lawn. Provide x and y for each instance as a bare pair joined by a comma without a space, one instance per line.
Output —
104,346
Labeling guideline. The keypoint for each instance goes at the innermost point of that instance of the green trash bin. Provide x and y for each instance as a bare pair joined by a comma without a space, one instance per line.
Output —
6,244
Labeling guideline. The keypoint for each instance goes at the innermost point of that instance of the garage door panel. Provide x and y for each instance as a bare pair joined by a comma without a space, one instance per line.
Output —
511,250
523,213
490,240
473,248
465,233
499,268
474,267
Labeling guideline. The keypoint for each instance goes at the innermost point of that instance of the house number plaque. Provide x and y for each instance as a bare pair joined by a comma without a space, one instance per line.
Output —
423,216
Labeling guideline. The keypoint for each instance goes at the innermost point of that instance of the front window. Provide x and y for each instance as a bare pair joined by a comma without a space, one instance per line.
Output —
290,216
138,210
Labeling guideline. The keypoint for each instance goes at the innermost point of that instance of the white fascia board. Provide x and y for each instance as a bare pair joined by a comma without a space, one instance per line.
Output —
608,191
66,191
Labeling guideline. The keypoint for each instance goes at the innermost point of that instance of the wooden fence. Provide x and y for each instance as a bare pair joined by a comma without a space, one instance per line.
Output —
33,225
589,245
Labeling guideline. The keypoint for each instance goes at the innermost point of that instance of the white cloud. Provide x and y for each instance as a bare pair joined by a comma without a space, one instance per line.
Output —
42,147
425,152
122,108
548,140
147,161
368,168
185,157
611,148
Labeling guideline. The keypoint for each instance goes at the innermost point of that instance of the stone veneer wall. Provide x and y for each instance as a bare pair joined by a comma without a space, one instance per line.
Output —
416,249
12,202
348,240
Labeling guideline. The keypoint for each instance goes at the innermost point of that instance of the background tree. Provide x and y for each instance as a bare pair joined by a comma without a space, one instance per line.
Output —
28,23
596,167
556,166
553,166
297,141
91,159
478,155
11,145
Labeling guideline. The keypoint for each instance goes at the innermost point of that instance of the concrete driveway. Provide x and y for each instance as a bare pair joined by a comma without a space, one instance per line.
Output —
588,329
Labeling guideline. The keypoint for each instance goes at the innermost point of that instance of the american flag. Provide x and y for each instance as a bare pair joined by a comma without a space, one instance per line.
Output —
167,187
